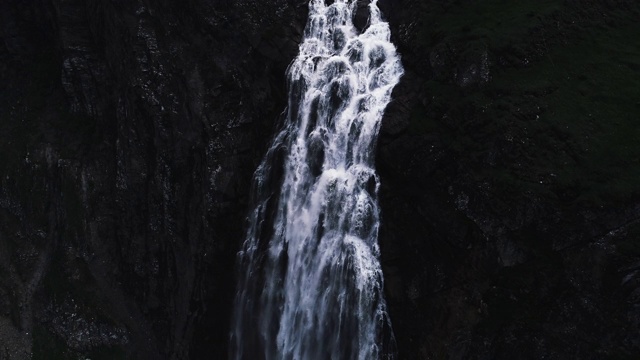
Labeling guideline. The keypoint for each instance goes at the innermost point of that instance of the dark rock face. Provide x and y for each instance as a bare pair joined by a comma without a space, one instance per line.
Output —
125,187
130,131
488,252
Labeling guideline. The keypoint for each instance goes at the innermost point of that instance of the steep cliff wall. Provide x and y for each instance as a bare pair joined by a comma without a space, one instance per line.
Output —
509,165
130,133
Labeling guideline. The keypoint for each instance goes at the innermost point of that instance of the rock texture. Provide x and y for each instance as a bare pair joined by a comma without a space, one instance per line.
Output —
510,199
130,134
496,243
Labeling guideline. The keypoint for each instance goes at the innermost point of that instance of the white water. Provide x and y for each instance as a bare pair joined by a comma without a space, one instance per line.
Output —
310,284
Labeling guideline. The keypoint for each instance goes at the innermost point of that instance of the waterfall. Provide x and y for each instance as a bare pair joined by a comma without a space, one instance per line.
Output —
310,284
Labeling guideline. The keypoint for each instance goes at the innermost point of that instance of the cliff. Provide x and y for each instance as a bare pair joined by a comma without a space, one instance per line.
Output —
509,166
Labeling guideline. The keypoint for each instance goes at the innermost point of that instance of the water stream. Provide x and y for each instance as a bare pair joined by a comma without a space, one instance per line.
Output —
310,284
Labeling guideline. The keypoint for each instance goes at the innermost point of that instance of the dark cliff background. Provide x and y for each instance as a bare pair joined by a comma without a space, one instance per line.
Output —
510,163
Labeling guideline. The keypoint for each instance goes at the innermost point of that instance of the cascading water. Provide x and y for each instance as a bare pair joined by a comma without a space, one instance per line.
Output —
310,283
